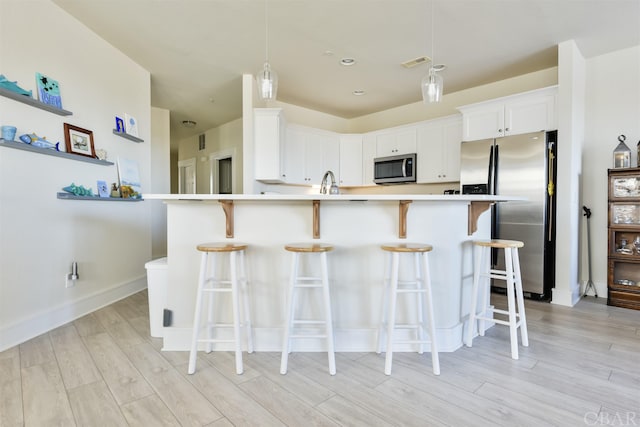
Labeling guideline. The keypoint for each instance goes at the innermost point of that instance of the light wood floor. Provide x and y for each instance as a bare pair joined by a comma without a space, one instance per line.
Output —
582,368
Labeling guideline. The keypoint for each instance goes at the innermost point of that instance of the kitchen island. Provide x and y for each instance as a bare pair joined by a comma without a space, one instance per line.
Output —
356,225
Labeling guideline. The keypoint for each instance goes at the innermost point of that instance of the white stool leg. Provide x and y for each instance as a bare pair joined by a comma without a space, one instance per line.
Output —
210,274
485,289
419,300
327,312
235,288
384,300
393,294
513,327
478,255
245,300
435,359
286,342
196,318
520,298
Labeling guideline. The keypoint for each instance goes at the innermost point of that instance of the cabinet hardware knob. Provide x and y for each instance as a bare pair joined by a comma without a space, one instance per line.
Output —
506,129
499,130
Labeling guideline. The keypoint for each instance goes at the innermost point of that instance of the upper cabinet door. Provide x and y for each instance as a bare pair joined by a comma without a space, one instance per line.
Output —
269,139
484,122
396,141
439,150
530,114
513,115
350,160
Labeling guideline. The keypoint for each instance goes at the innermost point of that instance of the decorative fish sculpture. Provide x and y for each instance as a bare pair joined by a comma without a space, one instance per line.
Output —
36,141
13,87
78,190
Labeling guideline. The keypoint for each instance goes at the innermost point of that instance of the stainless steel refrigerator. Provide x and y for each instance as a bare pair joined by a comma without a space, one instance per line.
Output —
519,165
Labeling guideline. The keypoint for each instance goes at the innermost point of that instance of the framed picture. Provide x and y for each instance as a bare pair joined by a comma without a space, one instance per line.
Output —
131,125
78,140
120,125
103,190
48,90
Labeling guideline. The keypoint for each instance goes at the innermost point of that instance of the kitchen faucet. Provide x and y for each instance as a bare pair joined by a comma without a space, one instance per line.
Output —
333,189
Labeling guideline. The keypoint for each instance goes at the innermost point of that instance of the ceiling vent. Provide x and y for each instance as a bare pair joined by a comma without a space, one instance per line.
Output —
416,61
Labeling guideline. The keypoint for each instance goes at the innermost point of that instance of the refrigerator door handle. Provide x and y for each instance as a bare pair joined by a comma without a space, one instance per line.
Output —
490,171
496,161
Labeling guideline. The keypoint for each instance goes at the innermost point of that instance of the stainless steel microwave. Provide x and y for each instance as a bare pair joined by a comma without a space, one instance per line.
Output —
395,169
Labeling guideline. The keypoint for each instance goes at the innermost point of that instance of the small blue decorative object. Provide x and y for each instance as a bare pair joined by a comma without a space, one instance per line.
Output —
36,141
13,87
78,190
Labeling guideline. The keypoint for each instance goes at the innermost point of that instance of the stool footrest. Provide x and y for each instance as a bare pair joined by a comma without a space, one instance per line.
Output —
307,336
309,322
408,291
308,285
498,321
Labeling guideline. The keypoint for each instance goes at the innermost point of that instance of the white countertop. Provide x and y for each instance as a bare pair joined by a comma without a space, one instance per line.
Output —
340,197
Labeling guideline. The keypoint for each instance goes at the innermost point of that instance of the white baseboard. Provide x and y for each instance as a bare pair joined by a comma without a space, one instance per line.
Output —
40,323
566,297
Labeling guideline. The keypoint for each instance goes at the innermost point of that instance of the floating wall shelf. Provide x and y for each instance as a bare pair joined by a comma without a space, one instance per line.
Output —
34,102
127,136
69,196
51,152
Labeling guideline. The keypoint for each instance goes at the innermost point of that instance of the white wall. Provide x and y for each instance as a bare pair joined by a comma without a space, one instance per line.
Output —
571,111
160,179
40,235
612,108
226,137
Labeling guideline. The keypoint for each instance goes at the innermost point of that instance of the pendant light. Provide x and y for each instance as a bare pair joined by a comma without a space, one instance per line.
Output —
266,78
432,83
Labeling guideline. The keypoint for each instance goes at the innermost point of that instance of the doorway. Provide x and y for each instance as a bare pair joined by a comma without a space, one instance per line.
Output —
187,176
223,168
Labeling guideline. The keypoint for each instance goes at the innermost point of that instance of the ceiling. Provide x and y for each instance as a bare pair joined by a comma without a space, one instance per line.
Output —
197,50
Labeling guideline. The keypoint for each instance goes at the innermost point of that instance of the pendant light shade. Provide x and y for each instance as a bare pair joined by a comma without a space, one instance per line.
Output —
432,85
266,78
267,82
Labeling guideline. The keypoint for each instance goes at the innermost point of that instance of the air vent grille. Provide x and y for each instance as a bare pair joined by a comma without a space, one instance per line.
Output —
416,61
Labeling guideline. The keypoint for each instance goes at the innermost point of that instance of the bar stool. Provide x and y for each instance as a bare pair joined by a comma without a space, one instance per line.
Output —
511,274
211,284
308,282
421,288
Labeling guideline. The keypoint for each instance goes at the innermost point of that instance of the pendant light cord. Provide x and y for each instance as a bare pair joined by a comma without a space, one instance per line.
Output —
266,30
433,53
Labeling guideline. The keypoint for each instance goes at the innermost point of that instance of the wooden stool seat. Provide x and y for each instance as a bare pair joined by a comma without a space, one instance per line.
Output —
407,247
420,288
299,282
499,243
480,292
210,283
221,247
308,247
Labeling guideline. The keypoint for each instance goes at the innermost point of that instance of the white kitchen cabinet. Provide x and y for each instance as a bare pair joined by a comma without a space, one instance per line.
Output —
368,154
438,155
269,137
517,114
309,154
350,160
393,142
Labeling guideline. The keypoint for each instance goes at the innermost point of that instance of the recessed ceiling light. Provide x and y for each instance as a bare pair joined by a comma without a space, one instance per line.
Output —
188,123
347,62
358,92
